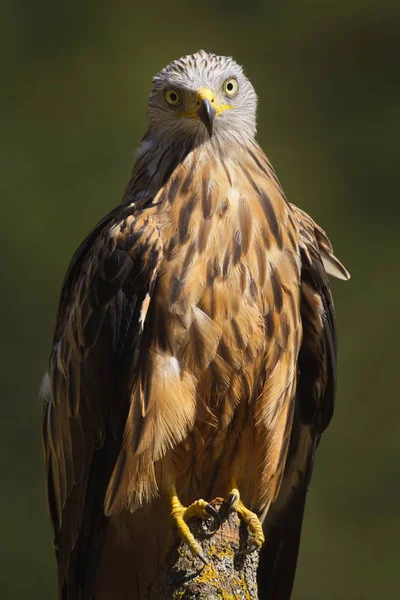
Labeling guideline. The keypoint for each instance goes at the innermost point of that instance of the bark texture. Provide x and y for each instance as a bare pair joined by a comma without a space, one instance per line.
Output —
227,576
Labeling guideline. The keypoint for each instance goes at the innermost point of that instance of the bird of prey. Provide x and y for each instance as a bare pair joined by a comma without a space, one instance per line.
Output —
194,350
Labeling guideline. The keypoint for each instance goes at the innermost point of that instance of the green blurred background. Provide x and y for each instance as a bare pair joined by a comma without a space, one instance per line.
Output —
75,78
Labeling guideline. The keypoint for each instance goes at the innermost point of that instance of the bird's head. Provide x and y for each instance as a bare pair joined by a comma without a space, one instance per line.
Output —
202,96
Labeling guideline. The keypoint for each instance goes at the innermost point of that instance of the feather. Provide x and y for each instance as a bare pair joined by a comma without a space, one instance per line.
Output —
334,267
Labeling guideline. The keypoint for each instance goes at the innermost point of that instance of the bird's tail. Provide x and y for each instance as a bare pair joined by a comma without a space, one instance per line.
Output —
282,527
133,550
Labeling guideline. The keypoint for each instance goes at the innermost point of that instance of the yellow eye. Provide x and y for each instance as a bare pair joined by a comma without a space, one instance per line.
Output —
231,87
171,97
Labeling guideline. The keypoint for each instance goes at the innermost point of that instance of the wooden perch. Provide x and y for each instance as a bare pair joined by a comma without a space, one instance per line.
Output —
227,576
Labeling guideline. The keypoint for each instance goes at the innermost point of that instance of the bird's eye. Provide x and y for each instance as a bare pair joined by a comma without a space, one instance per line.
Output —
231,87
171,97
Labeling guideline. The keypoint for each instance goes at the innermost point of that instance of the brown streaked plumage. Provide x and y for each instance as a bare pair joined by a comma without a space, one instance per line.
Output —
195,346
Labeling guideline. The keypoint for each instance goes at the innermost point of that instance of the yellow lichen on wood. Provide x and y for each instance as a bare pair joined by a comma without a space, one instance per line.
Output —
227,576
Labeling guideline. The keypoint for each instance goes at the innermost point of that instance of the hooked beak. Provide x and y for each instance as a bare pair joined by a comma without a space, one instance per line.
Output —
206,109
206,114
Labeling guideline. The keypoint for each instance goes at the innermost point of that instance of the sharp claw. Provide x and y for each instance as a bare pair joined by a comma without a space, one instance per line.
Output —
202,558
227,507
252,547
215,515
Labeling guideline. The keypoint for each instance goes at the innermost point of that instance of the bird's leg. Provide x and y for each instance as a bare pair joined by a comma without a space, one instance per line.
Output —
253,523
181,514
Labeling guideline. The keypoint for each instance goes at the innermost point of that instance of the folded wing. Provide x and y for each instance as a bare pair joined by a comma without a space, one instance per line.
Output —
86,393
313,409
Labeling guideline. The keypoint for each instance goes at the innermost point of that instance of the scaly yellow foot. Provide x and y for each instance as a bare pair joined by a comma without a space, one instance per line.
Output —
256,538
181,514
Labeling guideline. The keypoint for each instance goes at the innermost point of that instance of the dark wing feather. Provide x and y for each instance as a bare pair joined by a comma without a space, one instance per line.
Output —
313,411
86,392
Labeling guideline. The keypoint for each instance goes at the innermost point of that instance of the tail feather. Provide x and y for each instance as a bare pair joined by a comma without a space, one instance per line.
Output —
278,557
283,524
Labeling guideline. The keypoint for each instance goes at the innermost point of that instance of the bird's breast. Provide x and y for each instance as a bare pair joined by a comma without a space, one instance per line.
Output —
217,362
226,295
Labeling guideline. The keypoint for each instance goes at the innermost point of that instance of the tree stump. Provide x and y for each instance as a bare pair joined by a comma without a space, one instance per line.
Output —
228,574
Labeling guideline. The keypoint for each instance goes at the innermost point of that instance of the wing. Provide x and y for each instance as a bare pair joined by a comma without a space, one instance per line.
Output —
103,306
313,409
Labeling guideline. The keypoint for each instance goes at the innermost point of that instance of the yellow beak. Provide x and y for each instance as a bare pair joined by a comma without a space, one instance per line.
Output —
206,108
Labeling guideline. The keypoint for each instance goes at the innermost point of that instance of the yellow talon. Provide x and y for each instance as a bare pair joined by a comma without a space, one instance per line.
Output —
181,514
257,538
